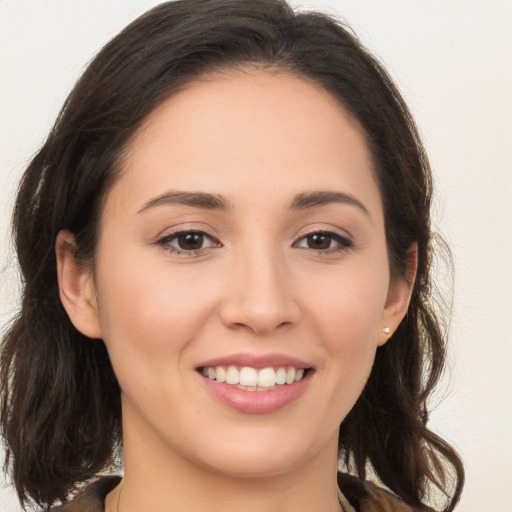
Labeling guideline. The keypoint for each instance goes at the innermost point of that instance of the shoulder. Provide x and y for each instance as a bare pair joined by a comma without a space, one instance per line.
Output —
92,498
365,496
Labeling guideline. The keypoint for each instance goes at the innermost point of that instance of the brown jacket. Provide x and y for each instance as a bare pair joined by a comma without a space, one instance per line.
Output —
362,496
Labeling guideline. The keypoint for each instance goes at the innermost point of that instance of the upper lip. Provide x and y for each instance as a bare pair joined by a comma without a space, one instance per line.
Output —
256,361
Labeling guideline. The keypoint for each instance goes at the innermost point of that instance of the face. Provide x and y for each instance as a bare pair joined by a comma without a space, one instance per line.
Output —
241,280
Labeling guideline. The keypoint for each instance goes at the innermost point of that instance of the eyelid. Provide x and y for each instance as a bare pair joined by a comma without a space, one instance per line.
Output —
165,239
345,242
325,227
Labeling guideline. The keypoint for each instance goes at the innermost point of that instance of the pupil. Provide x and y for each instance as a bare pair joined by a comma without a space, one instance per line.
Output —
319,241
190,241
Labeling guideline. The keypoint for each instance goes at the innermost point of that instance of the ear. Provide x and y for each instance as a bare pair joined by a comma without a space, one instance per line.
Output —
76,287
399,297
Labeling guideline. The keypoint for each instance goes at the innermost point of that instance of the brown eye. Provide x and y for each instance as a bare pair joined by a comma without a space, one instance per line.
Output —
187,242
318,241
190,241
324,242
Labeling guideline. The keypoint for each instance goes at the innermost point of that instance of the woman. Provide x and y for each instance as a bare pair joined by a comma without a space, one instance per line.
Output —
225,245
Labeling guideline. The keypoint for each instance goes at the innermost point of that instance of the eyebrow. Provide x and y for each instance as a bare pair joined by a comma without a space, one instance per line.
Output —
207,201
193,199
324,197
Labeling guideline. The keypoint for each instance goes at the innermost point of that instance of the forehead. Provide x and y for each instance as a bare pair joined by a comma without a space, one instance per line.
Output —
247,131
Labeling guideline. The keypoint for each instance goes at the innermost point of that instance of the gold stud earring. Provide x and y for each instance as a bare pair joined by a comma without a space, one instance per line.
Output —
386,330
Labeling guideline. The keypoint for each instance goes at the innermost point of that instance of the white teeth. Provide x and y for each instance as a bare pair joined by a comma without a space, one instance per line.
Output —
281,376
248,376
232,376
267,378
251,379
221,374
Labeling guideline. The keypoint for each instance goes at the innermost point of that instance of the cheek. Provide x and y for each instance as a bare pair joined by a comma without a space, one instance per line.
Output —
347,305
150,322
151,314
348,330
346,316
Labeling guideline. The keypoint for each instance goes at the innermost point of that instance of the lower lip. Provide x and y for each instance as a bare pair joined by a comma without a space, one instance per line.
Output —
257,402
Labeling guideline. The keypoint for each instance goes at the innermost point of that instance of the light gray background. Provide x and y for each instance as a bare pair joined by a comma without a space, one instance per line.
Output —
452,60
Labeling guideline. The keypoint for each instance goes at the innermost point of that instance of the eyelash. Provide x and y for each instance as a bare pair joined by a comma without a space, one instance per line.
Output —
166,242
343,243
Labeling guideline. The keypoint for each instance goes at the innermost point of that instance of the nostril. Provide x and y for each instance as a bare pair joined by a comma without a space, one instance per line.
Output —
259,305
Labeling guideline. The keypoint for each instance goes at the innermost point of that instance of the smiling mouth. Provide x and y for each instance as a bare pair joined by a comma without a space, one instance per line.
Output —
253,379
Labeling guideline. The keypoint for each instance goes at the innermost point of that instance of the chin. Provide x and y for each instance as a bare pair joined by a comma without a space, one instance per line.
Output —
256,467
263,457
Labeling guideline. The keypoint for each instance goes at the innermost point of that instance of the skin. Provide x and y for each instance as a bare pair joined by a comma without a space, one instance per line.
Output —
257,286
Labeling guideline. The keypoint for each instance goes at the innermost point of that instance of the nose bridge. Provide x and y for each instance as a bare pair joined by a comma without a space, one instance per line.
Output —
260,295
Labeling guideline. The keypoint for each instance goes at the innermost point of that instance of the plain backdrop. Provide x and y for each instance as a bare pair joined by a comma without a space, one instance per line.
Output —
452,60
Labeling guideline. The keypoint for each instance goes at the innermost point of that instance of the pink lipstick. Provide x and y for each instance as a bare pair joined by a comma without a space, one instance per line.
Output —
256,384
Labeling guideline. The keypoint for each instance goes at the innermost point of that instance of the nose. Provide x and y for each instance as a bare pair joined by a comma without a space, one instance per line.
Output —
259,295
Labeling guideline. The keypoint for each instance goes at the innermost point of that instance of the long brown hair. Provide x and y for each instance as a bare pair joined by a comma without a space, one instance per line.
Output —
61,413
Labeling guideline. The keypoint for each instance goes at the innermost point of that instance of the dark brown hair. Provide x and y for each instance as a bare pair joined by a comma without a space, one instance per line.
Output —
61,413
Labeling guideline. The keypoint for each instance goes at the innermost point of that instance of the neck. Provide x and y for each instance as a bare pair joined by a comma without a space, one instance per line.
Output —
162,480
